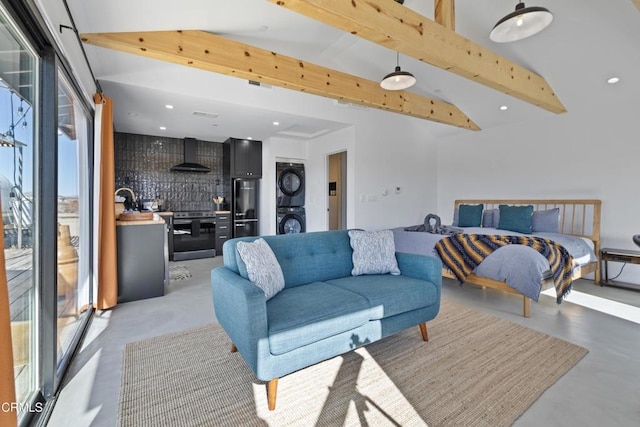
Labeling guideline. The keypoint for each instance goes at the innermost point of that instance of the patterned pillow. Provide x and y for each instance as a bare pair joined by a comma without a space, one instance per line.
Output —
263,268
374,252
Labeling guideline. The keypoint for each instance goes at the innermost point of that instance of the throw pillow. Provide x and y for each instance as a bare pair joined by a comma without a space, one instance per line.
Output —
490,218
515,218
547,220
470,215
263,268
374,252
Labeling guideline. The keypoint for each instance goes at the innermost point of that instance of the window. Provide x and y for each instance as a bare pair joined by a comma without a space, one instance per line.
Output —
18,146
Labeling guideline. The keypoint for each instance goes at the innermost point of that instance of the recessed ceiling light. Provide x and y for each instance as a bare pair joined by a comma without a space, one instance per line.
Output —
163,128
276,123
504,107
613,80
169,107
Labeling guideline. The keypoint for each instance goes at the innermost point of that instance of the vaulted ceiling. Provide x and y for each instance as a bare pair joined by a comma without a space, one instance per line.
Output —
588,42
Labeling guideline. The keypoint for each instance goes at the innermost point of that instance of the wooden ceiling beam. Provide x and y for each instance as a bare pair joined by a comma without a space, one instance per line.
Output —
397,27
210,52
445,14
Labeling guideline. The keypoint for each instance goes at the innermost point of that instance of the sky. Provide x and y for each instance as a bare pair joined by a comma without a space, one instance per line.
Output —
67,149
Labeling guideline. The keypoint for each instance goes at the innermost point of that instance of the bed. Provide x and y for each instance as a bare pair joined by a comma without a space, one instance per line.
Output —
519,269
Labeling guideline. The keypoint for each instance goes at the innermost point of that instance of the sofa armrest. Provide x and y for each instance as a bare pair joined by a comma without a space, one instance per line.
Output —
241,309
418,266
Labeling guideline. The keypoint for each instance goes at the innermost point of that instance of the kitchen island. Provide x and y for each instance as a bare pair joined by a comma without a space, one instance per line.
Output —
143,264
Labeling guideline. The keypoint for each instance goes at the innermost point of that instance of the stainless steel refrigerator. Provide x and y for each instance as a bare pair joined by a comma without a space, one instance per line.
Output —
245,207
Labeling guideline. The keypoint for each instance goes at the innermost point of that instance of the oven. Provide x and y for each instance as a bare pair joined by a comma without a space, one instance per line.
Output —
194,235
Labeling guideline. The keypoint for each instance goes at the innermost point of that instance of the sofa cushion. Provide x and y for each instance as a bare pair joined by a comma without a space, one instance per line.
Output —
261,267
303,257
302,315
374,252
390,295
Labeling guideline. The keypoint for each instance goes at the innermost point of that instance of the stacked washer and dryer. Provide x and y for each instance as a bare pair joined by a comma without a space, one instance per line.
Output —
290,183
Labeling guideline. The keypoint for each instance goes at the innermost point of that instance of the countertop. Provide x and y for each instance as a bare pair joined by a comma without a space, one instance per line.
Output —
165,213
223,212
156,220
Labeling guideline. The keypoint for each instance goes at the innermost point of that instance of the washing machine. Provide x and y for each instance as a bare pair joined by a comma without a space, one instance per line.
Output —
290,183
291,220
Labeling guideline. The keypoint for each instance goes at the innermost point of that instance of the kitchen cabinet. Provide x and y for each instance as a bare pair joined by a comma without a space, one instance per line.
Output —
168,219
246,158
223,229
143,265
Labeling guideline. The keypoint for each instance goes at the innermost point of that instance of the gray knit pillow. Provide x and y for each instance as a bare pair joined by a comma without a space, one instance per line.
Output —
374,252
263,268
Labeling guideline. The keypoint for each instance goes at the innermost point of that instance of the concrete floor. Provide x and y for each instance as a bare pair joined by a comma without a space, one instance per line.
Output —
602,389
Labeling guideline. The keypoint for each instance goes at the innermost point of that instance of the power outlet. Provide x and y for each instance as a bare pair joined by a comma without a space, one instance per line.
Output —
371,198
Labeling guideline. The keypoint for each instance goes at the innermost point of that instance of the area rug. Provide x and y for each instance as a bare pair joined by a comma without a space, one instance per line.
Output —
179,272
476,370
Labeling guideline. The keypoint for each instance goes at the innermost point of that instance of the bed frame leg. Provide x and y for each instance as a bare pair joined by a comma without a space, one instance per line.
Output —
526,306
233,348
423,331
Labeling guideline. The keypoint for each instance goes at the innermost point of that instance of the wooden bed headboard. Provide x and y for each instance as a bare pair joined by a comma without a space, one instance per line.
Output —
577,217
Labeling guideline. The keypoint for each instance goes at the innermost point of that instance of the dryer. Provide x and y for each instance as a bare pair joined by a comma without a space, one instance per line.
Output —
290,184
290,220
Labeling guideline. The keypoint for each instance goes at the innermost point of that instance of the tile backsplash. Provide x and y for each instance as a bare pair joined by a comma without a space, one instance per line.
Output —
142,163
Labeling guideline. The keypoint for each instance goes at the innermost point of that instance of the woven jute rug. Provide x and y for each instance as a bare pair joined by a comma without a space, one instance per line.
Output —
476,370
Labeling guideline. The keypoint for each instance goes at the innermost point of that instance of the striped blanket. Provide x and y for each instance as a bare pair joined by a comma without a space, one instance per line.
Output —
462,253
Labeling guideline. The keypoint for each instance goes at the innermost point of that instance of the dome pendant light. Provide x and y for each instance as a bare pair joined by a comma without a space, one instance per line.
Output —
398,80
520,24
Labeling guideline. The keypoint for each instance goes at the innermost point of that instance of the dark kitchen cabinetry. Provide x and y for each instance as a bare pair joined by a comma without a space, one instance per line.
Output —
246,158
168,219
143,265
223,230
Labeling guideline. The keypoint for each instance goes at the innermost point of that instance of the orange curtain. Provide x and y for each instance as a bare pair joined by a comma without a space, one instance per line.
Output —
107,295
7,382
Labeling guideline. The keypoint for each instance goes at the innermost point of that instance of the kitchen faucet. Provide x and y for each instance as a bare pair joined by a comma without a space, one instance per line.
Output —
133,196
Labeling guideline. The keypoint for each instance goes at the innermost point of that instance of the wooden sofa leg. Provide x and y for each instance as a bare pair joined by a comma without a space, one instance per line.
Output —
272,389
423,331
233,348
526,306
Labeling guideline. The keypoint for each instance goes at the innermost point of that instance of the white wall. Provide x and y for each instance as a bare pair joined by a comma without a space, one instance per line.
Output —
590,152
384,151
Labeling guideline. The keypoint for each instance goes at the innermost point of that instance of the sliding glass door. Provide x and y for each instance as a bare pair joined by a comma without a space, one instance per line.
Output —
73,291
18,146
45,197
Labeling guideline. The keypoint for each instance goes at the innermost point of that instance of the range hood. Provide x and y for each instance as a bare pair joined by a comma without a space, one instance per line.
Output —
189,164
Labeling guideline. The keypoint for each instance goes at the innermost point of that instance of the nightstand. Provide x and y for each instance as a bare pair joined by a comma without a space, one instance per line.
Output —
618,255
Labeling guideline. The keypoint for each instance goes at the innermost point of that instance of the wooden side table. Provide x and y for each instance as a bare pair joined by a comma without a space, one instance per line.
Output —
618,255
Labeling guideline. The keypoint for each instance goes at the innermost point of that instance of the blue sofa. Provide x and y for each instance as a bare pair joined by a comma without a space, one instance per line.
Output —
323,311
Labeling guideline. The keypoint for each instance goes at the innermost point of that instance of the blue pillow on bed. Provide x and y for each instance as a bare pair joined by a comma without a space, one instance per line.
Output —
490,218
516,218
470,215
547,220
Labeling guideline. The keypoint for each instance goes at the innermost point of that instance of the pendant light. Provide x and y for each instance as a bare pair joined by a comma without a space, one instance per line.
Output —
520,24
398,80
